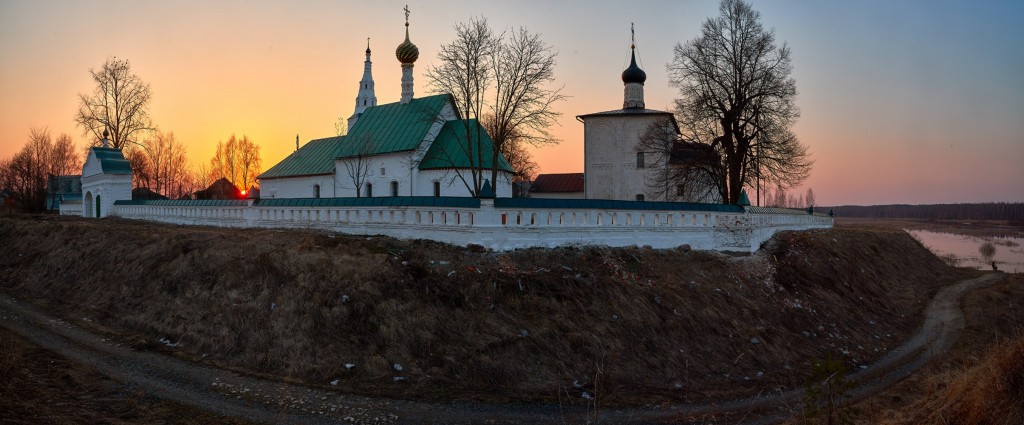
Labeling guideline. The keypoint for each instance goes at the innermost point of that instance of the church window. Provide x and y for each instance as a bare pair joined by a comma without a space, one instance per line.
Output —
639,197
316,191
382,171
394,188
680,191
364,102
639,160
437,188
369,190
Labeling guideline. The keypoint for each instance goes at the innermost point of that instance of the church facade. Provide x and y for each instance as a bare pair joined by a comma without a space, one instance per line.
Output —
106,178
402,171
413,147
617,165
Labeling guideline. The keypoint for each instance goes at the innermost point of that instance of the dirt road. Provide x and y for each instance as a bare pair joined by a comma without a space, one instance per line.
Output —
231,394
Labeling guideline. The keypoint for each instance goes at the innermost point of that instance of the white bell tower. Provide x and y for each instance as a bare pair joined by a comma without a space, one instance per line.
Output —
366,97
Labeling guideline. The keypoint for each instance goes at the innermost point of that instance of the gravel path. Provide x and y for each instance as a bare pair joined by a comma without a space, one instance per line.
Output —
231,394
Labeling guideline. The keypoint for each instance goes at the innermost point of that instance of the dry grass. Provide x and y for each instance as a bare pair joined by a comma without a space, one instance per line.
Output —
628,325
990,392
979,382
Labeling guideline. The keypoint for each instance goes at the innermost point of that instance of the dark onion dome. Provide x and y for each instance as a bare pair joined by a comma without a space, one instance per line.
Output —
407,52
633,74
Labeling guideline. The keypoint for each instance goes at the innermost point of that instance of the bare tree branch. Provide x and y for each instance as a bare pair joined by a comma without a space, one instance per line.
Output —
736,94
505,78
119,104
360,166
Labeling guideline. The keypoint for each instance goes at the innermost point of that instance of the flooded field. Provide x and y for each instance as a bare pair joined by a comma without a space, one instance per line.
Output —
974,251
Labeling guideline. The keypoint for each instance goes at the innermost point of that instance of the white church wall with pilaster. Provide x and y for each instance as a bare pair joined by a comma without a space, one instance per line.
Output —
300,187
610,157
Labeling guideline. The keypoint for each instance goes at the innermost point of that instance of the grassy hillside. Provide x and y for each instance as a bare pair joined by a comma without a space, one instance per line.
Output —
628,325
980,381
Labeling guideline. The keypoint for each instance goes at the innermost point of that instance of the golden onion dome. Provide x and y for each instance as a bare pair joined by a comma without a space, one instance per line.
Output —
407,53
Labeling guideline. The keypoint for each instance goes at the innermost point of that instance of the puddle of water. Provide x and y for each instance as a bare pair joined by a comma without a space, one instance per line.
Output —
975,252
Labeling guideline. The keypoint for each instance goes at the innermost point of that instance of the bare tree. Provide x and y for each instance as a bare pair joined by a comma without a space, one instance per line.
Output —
195,180
359,166
65,158
465,72
237,160
680,170
168,164
341,126
736,93
119,103
502,79
522,103
810,197
779,200
142,169
27,173
250,164
524,169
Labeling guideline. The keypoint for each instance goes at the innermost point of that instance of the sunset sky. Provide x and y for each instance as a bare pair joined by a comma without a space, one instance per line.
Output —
902,101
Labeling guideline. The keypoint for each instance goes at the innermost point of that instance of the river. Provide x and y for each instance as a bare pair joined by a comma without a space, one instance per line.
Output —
973,251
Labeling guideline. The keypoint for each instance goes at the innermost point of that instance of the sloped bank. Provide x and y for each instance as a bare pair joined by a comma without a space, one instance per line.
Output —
625,325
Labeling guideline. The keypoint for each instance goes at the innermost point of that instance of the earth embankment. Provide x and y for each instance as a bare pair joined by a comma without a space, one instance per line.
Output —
573,325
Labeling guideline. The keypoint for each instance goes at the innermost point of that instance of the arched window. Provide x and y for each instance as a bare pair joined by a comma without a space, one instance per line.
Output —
369,190
437,188
394,188
316,191
640,160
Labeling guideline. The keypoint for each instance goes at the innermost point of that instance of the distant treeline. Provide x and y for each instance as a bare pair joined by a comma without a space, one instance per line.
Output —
988,211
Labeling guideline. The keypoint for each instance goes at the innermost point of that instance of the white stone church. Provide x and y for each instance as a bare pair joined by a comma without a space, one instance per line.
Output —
616,166
400,170
413,147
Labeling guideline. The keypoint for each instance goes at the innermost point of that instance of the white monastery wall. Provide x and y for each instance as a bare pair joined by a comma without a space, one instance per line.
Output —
71,208
504,228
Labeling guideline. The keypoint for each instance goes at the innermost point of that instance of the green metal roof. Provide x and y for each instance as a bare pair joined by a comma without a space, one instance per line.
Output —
607,204
186,202
382,201
744,200
394,127
449,148
112,161
316,157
